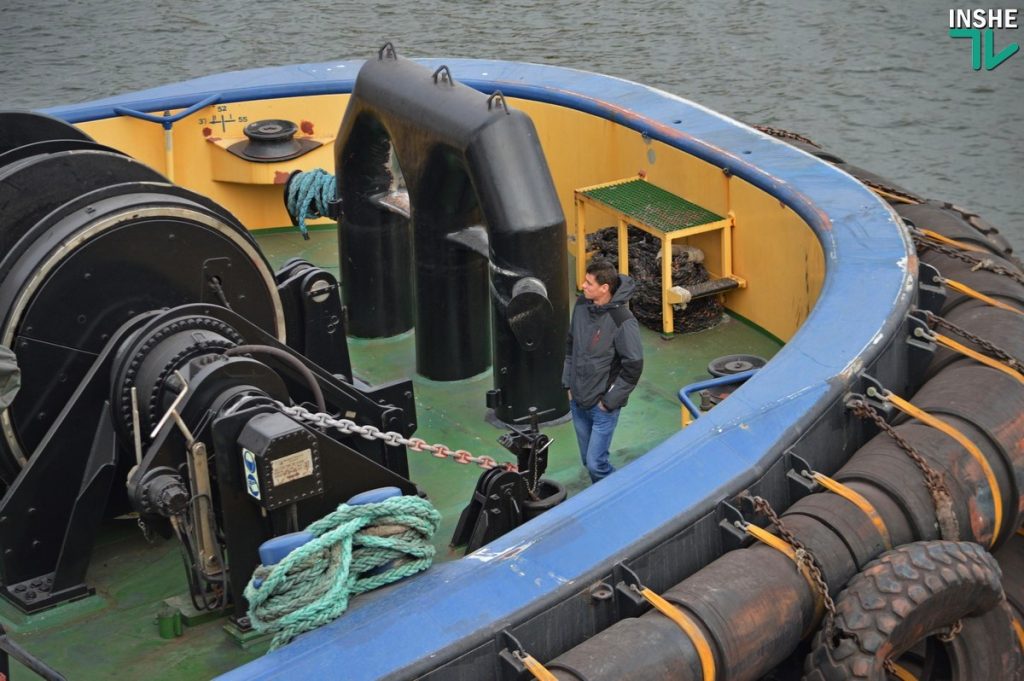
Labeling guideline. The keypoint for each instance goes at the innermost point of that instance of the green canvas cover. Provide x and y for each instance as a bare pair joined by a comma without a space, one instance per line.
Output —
10,377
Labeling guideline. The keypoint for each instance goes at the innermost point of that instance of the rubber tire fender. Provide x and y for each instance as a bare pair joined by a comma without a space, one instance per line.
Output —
910,593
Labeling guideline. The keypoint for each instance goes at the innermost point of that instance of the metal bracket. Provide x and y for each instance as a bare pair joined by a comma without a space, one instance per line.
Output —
628,600
731,522
871,392
799,484
511,653
931,294
920,343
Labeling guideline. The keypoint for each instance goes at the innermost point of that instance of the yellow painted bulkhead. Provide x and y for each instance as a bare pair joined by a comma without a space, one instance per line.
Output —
774,251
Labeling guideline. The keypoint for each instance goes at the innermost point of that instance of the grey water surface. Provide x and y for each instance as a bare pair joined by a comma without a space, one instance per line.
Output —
880,83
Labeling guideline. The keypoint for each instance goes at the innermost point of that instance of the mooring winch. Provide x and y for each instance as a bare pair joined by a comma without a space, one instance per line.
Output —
158,352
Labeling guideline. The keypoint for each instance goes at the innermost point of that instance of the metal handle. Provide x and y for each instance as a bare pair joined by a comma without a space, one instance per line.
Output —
444,74
167,120
387,50
496,99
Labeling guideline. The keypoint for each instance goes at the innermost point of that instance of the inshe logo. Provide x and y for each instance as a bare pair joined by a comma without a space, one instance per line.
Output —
979,25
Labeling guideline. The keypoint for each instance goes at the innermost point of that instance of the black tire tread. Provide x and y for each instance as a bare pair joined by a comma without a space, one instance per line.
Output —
907,594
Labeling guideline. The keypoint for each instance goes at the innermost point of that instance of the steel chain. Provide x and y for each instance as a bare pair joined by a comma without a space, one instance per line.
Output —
976,263
786,134
990,348
806,559
953,632
392,438
906,196
933,480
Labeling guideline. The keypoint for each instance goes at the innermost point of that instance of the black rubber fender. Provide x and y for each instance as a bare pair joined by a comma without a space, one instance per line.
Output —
914,592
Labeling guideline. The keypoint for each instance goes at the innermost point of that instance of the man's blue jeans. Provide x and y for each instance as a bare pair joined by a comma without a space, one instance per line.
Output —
594,430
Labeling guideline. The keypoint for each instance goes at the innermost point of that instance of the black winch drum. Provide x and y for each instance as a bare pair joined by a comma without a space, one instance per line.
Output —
18,128
90,239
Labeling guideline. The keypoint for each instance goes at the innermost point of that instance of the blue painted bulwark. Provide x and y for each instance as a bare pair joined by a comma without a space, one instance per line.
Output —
421,624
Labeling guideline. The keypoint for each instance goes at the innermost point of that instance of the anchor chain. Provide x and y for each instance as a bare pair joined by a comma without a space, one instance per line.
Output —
806,560
976,263
993,350
933,480
392,438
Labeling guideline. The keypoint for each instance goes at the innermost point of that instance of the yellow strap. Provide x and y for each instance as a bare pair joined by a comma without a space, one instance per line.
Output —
978,295
1020,632
785,549
689,627
902,673
973,354
953,242
771,540
972,449
536,668
893,197
857,500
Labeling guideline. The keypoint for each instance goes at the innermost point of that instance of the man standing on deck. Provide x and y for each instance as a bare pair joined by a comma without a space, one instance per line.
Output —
603,361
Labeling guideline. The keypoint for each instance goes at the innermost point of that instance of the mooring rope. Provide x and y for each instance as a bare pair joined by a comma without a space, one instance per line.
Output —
309,196
355,549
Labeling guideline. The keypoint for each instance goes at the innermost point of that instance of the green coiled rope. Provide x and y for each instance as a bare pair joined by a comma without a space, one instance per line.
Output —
309,196
311,586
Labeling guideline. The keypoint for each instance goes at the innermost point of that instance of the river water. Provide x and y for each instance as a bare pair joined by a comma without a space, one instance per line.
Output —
880,83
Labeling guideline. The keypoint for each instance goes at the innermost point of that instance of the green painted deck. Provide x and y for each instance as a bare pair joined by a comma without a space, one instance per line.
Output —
114,634
452,413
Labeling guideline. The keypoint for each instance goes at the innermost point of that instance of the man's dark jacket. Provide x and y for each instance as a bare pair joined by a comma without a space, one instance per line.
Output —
603,354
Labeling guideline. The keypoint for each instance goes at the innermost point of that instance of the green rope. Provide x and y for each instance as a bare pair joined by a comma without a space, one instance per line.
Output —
309,196
311,585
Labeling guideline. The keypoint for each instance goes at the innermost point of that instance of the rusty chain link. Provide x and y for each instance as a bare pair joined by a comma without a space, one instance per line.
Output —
976,263
990,348
953,632
907,197
806,560
933,480
393,439
786,134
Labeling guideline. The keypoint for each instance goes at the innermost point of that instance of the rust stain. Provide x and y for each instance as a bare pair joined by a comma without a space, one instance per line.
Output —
306,127
207,132
281,177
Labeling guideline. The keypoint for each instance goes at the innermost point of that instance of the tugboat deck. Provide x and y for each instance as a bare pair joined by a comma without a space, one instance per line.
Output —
132,578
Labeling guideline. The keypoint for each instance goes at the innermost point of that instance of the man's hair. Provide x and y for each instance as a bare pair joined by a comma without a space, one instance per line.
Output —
604,273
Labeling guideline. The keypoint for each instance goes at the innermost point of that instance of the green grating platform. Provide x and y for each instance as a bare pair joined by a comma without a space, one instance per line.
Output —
114,634
651,205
